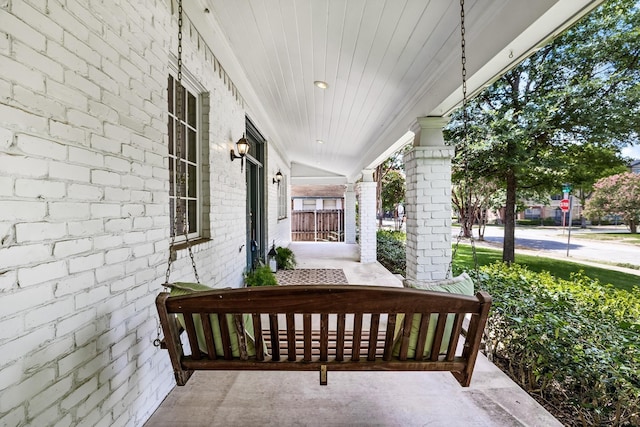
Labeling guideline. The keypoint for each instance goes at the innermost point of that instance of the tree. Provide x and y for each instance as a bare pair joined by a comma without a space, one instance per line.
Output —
393,163
471,203
617,195
587,165
393,191
576,97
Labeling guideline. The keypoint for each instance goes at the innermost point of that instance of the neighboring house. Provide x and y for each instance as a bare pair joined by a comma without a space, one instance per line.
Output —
318,212
317,197
635,166
552,211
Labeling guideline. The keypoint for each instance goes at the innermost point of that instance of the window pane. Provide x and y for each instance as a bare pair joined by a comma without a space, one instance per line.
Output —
181,214
193,216
172,177
192,110
192,180
182,98
191,152
181,151
181,180
171,215
171,137
170,90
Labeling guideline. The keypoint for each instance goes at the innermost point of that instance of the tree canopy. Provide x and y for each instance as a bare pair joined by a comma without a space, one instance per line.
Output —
617,195
562,115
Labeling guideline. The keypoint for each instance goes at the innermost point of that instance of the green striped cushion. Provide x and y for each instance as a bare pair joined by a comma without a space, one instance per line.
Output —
458,285
185,288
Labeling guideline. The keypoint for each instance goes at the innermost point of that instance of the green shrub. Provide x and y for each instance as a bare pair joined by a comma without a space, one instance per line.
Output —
285,258
391,252
575,344
261,276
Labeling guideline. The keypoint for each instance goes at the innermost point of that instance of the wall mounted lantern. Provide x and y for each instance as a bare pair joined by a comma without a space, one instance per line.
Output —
243,148
278,178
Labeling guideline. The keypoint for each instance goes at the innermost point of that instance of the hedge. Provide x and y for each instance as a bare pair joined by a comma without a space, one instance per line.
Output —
391,252
574,344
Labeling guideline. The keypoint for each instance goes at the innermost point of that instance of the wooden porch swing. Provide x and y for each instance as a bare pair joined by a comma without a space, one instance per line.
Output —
318,327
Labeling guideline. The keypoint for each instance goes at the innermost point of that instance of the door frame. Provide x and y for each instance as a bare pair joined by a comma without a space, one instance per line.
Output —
256,196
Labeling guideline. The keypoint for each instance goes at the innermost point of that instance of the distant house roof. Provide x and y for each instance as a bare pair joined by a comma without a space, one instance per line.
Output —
635,166
325,191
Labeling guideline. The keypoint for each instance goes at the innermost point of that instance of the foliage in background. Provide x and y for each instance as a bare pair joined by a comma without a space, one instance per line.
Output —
471,203
393,190
575,345
617,195
562,115
391,251
394,163
285,258
261,276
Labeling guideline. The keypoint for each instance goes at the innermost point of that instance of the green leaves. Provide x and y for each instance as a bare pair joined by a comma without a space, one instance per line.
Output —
575,343
572,104
391,251
617,195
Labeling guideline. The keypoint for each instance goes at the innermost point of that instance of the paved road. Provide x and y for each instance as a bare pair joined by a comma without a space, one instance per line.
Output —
552,241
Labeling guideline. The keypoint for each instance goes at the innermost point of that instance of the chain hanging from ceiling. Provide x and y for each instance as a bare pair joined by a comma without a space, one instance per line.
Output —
468,220
180,167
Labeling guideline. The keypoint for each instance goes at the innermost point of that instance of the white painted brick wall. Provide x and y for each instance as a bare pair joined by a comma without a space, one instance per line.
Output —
350,214
279,230
84,206
368,223
428,212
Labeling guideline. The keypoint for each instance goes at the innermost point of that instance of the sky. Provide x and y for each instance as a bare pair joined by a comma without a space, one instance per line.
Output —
632,152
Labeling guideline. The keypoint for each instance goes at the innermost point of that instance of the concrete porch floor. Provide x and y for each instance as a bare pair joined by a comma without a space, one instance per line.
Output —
231,398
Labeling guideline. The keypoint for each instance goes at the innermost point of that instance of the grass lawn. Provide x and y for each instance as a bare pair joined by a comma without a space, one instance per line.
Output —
558,268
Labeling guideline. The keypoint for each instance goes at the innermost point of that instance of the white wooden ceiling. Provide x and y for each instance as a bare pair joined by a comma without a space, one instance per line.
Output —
386,62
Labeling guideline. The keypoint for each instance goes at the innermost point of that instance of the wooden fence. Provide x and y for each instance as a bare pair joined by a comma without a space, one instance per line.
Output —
317,226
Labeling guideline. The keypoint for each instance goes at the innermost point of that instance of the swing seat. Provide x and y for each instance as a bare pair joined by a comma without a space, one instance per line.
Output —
323,327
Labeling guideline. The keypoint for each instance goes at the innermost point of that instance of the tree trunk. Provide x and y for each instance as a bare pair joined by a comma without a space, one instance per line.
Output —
482,223
508,249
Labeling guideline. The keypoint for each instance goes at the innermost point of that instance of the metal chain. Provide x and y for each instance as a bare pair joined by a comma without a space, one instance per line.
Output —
180,167
468,221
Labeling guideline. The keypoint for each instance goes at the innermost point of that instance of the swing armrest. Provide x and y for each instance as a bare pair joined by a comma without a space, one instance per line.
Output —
171,341
163,343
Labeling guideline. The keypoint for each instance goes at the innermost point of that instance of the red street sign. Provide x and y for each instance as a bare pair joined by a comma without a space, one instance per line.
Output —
564,205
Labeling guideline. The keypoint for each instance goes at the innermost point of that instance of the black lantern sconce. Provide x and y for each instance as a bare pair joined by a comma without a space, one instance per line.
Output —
278,178
243,149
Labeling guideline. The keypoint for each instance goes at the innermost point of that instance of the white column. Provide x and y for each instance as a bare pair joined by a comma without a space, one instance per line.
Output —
367,211
350,214
428,202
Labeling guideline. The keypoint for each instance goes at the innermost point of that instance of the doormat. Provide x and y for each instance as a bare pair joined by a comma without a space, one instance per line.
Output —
312,276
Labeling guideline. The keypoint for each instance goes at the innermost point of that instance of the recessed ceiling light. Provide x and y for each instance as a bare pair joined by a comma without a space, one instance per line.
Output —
321,84
319,141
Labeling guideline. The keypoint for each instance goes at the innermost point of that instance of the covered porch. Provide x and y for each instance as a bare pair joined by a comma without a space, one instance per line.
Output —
351,398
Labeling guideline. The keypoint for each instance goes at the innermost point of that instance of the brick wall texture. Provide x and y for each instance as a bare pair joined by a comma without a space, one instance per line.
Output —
428,212
84,219
368,222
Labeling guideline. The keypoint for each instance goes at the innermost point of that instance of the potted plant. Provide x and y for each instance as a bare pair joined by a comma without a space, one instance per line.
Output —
285,258
261,276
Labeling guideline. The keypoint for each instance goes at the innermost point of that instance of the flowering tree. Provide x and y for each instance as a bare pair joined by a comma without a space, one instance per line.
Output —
617,195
